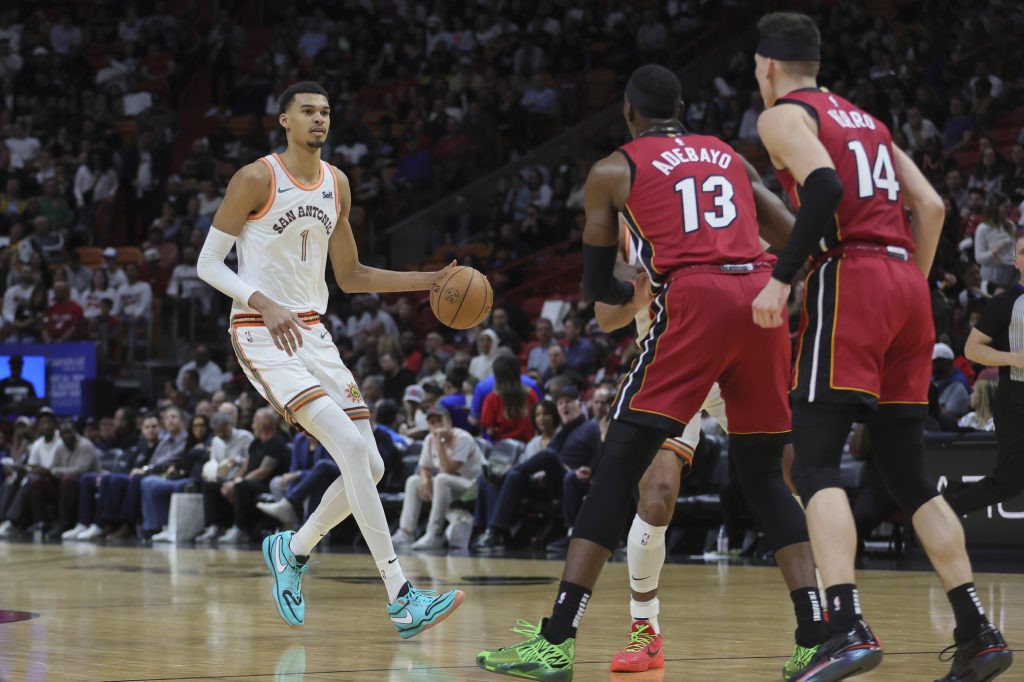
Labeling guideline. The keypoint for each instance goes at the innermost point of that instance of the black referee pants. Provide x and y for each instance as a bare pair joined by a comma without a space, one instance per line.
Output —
1007,479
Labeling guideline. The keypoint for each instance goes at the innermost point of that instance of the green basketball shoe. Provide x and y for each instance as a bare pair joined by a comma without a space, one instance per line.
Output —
798,661
533,659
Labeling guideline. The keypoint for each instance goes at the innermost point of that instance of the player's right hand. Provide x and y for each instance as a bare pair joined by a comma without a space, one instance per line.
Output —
284,326
770,304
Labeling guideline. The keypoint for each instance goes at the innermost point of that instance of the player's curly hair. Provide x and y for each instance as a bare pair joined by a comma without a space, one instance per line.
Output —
300,88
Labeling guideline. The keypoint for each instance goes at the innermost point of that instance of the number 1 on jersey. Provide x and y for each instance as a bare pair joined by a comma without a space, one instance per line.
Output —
870,177
305,236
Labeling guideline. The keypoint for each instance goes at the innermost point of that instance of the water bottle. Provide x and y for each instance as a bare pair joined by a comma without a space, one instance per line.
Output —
723,541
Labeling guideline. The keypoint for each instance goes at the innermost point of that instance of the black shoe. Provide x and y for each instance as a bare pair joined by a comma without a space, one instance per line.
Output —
560,545
980,659
490,541
840,656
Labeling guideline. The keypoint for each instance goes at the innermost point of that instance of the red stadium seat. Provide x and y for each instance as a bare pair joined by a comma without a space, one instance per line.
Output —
966,160
1012,119
532,306
129,254
1003,138
92,256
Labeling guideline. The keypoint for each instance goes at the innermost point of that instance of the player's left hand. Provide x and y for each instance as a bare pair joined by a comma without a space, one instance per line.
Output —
643,295
770,304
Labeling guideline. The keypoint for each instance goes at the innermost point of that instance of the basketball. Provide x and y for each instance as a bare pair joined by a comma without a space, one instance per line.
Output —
463,299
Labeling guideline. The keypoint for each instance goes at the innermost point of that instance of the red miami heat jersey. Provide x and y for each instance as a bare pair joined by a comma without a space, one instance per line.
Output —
871,209
691,203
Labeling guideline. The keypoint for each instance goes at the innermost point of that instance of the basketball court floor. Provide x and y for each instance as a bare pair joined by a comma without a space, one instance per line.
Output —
92,613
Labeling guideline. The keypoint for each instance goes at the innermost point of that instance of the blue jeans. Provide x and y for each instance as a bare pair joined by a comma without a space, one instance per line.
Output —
573,492
312,485
88,494
486,502
517,483
156,500
118,501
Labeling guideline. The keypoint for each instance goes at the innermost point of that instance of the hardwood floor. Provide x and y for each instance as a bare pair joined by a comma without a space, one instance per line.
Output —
128,613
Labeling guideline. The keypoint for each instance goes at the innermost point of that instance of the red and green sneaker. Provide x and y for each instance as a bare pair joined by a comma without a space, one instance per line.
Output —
642,653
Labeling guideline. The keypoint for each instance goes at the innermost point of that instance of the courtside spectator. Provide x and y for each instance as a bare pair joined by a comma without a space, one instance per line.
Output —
269,456
312,472
449,463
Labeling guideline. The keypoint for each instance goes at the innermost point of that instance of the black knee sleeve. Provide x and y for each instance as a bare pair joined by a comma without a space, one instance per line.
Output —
759,469
627,451
898,446
819,434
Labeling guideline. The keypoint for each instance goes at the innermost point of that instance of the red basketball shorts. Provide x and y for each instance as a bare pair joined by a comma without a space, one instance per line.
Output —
703,332
866,334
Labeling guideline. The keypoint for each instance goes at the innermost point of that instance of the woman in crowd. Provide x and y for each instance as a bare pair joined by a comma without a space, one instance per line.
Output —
487,350
982,401
994,243
98,290
506,411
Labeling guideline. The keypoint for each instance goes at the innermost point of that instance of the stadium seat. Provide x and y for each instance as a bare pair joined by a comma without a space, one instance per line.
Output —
1004,137
532,306
129,254
92,256
240,126
479,250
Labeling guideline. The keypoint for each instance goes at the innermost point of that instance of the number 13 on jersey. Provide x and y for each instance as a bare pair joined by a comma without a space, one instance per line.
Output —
722,193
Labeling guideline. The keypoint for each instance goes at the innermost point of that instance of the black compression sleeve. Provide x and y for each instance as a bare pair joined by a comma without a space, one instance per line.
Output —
599,284
819,199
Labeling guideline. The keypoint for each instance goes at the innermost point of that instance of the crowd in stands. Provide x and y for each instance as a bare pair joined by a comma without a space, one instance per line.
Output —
498,422
425,97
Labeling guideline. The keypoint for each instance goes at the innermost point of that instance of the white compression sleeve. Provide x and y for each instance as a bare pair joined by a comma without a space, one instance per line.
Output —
334,505
352,446
211,268
645,555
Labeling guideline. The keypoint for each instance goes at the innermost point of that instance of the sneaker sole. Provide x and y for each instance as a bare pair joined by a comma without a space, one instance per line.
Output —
995,664
653,663
460,596
556,676
267,544
852,663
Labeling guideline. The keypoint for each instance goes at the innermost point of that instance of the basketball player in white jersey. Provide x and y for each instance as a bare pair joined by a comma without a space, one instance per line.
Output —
285,213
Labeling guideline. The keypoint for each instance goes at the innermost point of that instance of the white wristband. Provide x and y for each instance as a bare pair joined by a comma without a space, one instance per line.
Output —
211,268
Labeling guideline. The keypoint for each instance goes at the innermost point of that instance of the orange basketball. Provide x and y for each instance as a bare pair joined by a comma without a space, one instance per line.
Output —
462,299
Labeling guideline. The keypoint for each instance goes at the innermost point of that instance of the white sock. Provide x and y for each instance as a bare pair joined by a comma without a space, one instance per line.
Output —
646,610
392,575
353,447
